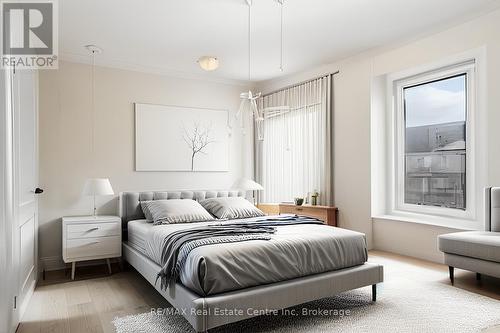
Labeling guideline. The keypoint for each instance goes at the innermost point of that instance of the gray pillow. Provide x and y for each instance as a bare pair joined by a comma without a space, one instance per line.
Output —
175,211
231,208
145,210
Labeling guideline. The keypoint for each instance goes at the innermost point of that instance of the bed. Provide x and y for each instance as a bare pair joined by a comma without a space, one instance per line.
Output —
223,284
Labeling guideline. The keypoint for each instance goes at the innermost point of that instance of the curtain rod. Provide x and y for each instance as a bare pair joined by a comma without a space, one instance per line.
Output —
300,83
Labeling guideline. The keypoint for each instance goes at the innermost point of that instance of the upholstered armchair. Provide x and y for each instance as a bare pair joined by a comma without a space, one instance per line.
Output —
476,251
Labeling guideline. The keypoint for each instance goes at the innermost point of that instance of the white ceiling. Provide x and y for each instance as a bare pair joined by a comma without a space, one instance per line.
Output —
167,36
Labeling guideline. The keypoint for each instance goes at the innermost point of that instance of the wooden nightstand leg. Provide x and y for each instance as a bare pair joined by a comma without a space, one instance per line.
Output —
73,265
109,266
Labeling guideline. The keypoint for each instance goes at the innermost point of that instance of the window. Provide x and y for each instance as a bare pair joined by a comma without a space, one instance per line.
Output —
429,142
433,141
290,154
294,157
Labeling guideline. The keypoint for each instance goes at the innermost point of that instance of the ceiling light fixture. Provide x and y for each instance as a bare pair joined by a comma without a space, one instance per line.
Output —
208,63
248,99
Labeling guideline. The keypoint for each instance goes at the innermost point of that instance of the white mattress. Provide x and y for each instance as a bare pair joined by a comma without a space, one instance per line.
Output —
137,231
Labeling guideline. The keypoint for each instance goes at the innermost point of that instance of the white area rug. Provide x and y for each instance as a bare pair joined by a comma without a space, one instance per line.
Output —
402,306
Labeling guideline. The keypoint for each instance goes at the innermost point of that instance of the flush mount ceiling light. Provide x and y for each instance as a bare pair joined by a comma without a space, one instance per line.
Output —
208,63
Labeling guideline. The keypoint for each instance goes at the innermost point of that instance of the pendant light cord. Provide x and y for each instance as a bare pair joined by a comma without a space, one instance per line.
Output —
249,50
93,104
281,34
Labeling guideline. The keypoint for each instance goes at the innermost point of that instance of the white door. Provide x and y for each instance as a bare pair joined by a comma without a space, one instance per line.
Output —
6,211
25,170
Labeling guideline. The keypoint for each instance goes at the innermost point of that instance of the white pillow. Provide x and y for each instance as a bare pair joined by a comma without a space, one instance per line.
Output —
231,208
175,211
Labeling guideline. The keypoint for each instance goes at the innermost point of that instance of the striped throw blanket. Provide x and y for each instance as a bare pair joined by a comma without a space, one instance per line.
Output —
178,245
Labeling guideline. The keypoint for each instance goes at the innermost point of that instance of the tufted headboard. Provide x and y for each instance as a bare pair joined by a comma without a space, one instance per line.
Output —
130,208
492,205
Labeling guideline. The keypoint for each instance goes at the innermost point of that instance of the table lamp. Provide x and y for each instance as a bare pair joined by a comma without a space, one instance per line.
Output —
97,186
246,184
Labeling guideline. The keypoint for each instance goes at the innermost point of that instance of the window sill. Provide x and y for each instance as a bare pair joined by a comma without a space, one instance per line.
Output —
438,221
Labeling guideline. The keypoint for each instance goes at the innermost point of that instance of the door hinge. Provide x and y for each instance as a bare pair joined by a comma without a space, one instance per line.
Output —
15,302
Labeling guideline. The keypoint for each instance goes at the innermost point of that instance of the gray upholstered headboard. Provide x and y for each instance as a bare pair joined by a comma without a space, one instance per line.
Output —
130,208
492,205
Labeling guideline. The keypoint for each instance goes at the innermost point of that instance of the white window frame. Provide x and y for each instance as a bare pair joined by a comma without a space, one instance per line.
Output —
473,64
400,127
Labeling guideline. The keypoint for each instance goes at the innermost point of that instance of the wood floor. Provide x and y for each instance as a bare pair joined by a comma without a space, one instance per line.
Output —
90,303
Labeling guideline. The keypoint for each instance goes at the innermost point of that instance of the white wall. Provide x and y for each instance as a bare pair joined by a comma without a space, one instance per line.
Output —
65,140
352,126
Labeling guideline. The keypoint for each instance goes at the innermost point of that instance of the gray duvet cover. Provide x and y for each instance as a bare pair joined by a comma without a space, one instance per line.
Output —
293,251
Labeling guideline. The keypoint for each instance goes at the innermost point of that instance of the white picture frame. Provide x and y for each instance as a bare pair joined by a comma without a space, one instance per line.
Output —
178,138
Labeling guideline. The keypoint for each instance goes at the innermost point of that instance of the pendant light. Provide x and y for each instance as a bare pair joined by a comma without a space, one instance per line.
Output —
248,103
93,50
95,186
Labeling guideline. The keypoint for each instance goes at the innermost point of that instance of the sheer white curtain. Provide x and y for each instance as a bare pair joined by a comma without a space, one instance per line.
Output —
295,157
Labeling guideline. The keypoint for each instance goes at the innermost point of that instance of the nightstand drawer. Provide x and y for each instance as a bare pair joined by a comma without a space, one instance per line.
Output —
307,211
93,247
328,214
92,230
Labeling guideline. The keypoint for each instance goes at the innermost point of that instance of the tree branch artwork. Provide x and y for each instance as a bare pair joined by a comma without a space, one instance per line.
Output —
197,140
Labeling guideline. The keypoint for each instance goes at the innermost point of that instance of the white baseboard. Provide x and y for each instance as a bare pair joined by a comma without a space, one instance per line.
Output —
56,263
27,298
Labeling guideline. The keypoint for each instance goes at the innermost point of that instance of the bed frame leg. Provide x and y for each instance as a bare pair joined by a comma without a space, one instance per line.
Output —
452,274
374,292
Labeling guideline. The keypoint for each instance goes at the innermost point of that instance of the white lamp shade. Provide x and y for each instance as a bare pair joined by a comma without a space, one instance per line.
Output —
98,186
246,184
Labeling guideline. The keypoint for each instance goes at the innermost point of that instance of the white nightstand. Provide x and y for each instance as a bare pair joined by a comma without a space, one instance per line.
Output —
91,237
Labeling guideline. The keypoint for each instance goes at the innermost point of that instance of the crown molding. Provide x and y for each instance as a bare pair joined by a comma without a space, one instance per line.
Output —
123,65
